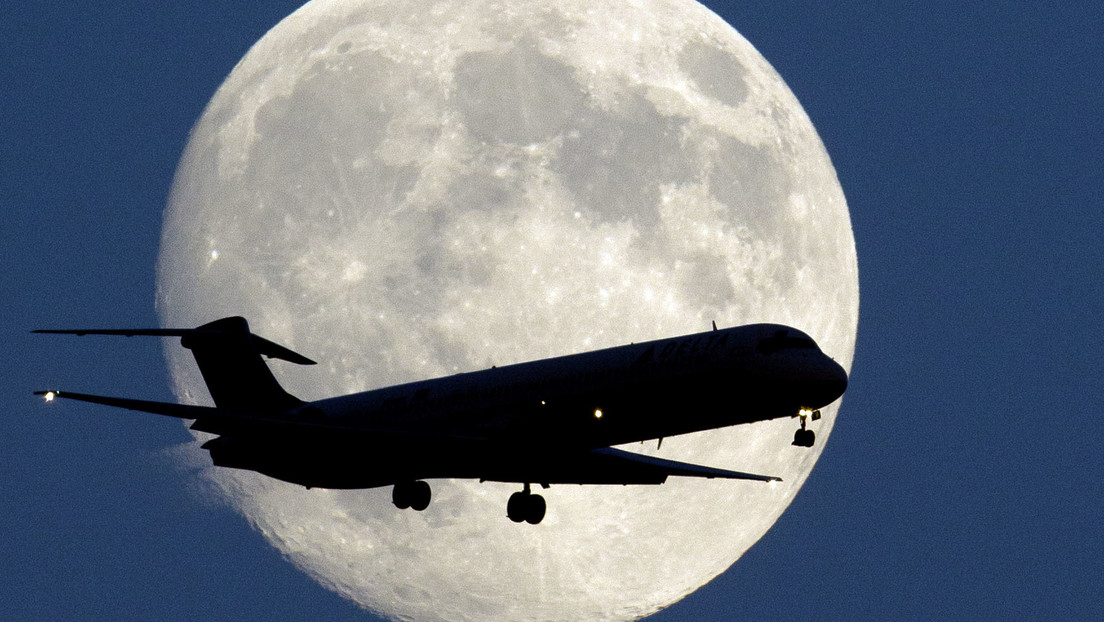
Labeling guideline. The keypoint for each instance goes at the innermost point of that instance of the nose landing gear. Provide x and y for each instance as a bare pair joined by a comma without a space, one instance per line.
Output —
526,506
805,437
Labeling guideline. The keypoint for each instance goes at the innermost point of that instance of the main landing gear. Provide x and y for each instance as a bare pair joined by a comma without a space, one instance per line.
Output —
413,495
525,506
805,437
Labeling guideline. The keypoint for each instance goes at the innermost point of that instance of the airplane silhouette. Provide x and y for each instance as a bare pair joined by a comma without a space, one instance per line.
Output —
550,421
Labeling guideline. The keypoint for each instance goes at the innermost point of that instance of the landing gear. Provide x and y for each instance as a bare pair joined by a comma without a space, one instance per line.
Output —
805,437
413,495
525,506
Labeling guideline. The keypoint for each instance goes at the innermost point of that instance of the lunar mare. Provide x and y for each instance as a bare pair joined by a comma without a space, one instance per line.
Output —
404,190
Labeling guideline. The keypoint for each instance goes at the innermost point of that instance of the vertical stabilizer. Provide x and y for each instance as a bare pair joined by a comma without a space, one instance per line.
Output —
229,357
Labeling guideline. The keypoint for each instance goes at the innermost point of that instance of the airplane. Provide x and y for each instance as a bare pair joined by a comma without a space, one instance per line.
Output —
550,421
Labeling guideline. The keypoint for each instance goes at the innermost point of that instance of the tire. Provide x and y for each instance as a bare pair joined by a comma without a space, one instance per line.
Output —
419,495
535,509
400,496
516,507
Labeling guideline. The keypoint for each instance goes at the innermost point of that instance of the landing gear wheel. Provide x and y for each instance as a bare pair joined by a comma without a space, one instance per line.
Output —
400,496
804,438
526,507
516,506
414,495
420,496
534,513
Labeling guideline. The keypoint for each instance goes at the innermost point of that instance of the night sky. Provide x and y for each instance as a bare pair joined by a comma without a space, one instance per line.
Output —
962,479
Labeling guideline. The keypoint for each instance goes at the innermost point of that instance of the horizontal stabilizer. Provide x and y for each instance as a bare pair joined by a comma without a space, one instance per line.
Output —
221,421
679,469
234,327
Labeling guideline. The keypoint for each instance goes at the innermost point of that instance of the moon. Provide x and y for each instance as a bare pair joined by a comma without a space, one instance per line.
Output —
406,190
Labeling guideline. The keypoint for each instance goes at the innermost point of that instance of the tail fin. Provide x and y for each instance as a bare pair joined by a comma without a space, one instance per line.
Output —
229,358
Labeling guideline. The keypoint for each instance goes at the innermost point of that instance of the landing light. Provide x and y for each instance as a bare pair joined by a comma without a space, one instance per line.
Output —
805,412
597,413
49,395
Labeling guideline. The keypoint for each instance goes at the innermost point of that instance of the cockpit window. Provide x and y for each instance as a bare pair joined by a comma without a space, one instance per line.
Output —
782,340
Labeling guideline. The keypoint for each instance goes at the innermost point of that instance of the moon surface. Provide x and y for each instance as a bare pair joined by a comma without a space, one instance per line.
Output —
405,190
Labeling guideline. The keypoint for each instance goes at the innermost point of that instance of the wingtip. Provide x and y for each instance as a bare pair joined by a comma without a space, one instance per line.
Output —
49,396
293,357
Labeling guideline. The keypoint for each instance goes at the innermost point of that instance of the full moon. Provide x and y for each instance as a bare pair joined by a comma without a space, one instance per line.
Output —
406,190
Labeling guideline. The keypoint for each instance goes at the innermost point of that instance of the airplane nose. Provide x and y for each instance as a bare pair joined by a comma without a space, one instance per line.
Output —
828,383
837,379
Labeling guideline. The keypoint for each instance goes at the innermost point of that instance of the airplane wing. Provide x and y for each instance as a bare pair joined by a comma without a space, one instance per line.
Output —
604,465
629,460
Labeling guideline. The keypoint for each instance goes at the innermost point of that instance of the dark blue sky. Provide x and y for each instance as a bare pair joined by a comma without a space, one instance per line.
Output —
963,477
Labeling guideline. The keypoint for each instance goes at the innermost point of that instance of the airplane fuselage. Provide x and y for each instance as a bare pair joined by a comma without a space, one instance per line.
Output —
510,423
